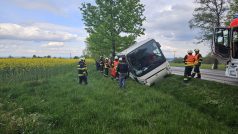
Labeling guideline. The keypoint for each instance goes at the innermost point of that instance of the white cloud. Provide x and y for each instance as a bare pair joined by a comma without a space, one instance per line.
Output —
53,44
167,23
32,33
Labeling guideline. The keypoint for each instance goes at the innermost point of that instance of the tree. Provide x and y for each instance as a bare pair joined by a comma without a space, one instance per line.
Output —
112,25
233,9
76,57
86,53
208,15
34,56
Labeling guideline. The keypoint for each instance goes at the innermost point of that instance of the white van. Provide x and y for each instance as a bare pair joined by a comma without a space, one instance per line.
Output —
146,62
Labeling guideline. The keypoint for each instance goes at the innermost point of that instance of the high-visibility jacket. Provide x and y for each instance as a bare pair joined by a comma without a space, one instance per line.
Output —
198,59
114,69
82,69
115,63
189,60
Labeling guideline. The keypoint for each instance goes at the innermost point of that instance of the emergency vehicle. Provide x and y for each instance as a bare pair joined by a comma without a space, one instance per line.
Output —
225,47
146,61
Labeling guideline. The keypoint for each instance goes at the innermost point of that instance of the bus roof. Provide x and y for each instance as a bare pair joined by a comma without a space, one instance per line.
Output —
136,45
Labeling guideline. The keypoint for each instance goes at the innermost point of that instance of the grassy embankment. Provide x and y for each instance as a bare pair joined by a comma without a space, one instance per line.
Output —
59,105
203,66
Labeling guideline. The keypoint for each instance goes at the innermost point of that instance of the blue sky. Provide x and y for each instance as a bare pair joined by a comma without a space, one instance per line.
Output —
55,27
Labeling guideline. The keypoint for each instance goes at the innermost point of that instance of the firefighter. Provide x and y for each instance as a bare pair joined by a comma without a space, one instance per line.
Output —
122,69
82,71
189,63
197,64
97,65
101,63
106,67
114,73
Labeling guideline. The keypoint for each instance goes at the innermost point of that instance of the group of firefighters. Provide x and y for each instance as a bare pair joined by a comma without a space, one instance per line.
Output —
192,63
119,69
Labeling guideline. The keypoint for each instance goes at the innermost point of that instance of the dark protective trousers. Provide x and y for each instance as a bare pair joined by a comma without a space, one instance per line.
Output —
196,71
106,70
188,70
101,68
83,79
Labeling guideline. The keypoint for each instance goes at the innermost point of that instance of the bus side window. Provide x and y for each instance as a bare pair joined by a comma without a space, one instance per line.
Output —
222,38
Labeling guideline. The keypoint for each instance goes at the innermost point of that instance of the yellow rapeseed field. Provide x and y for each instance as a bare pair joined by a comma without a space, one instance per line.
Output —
35,68
25,63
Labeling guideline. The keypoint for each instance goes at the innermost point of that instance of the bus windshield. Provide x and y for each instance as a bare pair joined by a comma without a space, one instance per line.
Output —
145,58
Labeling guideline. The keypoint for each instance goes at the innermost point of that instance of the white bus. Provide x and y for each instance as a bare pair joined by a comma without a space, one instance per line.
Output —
146,61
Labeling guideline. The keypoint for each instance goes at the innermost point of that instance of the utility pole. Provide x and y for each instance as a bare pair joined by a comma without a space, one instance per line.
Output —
174,53
70,54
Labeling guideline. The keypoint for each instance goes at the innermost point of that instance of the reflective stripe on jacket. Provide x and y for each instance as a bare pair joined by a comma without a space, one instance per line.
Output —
198,58
189,60
82,69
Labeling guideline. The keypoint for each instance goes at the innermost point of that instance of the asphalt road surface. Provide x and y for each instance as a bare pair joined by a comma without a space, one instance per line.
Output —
211,75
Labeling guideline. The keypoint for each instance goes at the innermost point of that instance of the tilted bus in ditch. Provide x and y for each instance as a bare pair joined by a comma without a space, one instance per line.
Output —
146,61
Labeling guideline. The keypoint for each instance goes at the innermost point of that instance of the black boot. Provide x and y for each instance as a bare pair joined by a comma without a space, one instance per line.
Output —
193,75
199,76
80,80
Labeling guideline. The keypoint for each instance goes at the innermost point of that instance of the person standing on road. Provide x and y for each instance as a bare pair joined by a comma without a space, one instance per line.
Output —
82,71
122,69
189,63
197,64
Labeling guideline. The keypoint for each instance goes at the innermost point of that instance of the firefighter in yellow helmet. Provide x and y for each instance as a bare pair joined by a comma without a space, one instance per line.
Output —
197,64
189,63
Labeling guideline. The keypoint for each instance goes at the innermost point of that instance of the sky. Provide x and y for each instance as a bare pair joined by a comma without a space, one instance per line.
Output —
55,27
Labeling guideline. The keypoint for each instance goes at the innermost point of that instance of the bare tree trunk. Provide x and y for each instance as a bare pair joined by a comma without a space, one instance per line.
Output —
215,63
113,48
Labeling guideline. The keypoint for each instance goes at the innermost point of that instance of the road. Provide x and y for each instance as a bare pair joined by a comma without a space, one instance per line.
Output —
211,75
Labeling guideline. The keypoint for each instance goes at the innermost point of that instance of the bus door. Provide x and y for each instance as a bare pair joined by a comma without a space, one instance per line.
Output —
221,47
234,42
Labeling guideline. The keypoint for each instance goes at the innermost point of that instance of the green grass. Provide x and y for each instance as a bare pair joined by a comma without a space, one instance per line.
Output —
203,66
60,105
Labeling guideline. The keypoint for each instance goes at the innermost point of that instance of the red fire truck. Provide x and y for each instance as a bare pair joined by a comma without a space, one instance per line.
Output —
225,46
